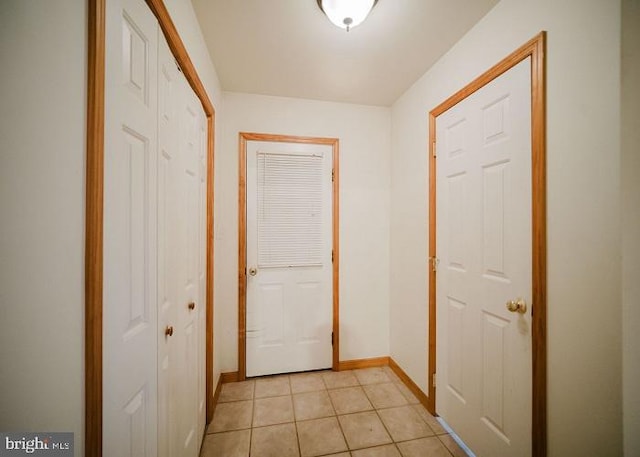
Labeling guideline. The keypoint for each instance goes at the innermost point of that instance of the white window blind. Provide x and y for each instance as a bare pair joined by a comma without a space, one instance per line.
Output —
289,210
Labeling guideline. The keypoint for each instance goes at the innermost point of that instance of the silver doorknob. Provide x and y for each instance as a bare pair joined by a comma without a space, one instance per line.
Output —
517,306
253,271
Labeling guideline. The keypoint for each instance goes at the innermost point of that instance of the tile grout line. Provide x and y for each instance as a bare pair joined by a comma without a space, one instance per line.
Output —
375,409
394,442
344,437
378,415
444,445
253,411
295,421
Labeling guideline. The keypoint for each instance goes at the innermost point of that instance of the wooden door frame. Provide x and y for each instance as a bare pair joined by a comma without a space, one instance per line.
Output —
536,50
244,137
95,214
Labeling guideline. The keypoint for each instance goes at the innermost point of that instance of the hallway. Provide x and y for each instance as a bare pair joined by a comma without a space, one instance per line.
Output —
368,412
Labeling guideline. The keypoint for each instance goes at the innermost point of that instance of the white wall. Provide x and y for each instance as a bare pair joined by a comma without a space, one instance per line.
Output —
364,135
42,162
631,224
584,242
42,134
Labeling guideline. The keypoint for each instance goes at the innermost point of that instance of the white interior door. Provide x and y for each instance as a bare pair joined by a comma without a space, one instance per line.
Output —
130,167
154,244
191,307
169,251
289,270
181,261
201,256
484,246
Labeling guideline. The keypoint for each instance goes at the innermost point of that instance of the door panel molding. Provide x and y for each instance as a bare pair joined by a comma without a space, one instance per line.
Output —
244,137
96,22
536,49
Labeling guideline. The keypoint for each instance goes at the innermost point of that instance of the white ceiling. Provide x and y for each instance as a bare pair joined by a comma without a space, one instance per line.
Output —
289,48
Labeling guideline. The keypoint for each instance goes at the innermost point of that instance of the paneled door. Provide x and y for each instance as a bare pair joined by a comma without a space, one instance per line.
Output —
289,270
181,261
169,251
154,244
130,240
192,245
484,284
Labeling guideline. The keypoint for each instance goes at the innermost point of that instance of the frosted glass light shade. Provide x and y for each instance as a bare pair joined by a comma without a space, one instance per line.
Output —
347,14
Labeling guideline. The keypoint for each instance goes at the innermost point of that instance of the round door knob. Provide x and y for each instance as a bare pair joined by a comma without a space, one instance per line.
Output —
517,306
191,306
168,331
253,271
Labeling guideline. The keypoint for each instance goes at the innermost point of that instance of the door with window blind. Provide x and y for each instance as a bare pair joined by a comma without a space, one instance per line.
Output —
289,271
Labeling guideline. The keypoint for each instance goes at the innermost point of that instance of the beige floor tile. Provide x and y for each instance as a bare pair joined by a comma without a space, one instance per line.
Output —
275,441
406,393
430,420
384,395
403,423
375,375
236,391
320,437
312,405
272,410
381,451
453,447
424,447
363,430
350,400
337,379
227,444
272,387
391,374
306,382
232,416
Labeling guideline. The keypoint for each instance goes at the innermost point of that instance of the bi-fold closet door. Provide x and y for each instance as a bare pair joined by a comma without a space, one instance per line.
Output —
154,244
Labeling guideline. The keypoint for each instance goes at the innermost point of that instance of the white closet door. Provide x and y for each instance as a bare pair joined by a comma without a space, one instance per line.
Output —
201,308
169,251
181,261
130,170
154,244
190,119
289,283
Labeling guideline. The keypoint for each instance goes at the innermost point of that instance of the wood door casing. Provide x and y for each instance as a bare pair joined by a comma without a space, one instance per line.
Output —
536,49
94,249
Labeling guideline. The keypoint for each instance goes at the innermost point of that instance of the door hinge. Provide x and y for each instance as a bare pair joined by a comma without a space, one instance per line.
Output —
333,174
433,149
332,256
433,380
434,263
331,338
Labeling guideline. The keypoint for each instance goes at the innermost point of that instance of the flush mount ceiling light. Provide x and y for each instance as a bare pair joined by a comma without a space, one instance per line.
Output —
346,14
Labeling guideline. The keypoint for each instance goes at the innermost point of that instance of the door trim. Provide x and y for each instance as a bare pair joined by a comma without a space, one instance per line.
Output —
536,49
242,238
94,218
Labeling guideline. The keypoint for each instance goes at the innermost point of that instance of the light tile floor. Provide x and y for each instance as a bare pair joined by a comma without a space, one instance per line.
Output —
360,413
